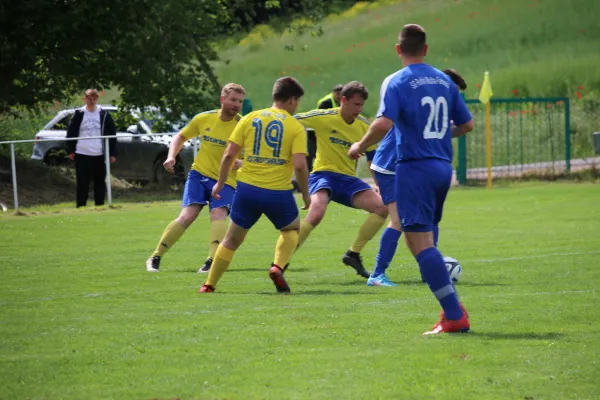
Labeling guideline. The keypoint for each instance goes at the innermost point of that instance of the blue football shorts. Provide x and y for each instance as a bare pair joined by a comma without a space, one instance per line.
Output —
342,188
423,186
198,190
250,202
387,187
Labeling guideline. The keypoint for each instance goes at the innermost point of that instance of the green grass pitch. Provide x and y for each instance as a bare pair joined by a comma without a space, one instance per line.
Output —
80,318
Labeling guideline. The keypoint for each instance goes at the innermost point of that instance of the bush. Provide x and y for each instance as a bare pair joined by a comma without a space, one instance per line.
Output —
585,120
23,125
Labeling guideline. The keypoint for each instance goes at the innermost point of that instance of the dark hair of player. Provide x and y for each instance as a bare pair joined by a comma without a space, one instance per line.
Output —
456,78
352,88
412,40
286,88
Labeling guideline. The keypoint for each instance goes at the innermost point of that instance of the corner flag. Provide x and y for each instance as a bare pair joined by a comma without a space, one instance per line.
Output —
486,89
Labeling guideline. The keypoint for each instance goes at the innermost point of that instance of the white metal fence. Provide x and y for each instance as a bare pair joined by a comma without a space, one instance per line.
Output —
106,157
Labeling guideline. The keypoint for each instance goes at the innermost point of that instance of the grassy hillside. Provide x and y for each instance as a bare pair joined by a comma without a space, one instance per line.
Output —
536,47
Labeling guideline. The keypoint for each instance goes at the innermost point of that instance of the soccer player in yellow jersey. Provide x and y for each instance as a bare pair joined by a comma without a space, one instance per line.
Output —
274,144
213,128
333,176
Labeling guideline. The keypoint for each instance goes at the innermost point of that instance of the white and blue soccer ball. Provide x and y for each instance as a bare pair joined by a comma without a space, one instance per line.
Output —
454,268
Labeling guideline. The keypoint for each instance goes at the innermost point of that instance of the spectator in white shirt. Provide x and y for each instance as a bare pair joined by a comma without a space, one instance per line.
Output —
90,121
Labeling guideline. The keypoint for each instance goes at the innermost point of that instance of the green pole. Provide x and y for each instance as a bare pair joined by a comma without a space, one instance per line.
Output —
461,168
521,132
508,111
567,135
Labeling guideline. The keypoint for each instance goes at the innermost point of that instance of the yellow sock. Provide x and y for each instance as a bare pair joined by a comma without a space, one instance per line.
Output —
305,230
221,262
286,245
170,236
366,232
218,229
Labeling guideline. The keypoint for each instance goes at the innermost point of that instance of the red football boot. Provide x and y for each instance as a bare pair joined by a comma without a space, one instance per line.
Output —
207,289
276,275
451,326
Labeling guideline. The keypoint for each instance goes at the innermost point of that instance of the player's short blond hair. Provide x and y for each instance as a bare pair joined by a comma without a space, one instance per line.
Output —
232,87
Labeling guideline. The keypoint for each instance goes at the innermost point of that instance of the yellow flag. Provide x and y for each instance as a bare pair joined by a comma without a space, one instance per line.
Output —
486,89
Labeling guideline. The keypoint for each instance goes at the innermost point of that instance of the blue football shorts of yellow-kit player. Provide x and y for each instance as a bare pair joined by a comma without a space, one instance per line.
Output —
333,170
268,138
198,190
213,133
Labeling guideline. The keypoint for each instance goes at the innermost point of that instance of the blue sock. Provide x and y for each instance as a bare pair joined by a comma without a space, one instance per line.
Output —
433,270
436,235
387,248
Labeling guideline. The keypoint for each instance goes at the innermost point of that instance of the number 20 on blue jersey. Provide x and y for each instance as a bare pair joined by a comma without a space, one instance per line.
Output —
273,134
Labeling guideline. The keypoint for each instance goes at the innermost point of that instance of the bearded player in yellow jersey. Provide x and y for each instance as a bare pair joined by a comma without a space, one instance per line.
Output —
213,128
274,144
333,176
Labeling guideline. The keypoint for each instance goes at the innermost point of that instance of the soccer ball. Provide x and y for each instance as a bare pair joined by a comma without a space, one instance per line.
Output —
454,269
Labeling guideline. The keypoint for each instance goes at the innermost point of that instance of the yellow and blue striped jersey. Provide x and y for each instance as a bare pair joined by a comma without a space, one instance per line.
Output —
334,138
213,133
268,139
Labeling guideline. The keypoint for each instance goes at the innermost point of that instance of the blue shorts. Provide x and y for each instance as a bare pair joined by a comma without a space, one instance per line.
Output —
250,202
198,190
425,184
342,188
387,187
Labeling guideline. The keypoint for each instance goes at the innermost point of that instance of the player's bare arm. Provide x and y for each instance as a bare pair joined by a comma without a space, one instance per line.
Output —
376,132
461,130
301,170
174,149
229,158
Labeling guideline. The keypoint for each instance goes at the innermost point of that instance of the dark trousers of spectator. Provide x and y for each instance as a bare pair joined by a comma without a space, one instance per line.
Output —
90,168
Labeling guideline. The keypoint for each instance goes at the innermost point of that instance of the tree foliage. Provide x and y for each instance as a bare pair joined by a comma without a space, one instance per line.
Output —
156,52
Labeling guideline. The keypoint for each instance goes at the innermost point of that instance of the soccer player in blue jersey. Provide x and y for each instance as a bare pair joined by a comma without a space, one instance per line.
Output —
418,102
384,169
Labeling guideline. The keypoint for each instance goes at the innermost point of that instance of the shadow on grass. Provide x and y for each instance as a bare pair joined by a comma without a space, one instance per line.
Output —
418,282
265,269
350,283
517,336
476,284
319,293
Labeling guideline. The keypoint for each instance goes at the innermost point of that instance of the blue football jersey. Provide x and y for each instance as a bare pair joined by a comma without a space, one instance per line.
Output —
422,100
385,155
